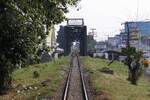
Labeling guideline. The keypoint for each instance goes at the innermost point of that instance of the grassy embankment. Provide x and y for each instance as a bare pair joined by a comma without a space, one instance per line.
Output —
116,85
51,73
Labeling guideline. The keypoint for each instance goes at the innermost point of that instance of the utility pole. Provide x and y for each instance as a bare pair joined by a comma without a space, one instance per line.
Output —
93,33
107,41
128,34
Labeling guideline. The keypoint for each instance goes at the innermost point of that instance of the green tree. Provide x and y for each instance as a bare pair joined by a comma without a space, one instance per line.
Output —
22,30
134,63
91,43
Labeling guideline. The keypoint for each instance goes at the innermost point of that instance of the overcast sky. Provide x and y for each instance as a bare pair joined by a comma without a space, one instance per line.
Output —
107,15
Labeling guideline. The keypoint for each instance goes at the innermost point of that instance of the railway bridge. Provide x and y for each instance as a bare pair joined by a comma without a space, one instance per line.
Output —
75,30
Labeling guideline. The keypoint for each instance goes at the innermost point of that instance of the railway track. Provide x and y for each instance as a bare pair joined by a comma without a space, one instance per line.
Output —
75,88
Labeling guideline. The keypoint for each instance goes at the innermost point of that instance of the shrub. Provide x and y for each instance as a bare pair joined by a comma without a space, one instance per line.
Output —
36,74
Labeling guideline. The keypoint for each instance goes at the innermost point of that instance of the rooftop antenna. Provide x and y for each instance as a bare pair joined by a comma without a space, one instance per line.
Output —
79,8
137,13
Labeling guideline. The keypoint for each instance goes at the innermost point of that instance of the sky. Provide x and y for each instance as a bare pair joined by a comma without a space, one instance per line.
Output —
108,16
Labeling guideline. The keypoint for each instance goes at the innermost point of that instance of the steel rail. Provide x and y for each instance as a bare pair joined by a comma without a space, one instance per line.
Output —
66,90
65,93
82,80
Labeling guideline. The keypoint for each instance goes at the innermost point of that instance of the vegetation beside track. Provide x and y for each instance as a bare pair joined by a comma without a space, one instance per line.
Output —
51,73
115,85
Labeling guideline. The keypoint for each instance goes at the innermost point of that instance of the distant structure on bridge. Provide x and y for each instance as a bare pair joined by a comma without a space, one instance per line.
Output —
75,30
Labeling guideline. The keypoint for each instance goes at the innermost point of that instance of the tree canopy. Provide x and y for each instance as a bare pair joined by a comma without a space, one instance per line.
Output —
23,27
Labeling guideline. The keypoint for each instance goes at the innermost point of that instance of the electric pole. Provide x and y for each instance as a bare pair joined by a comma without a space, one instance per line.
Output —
128,34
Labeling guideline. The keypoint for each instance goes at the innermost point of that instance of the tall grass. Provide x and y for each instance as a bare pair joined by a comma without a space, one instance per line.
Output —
52,71
116,84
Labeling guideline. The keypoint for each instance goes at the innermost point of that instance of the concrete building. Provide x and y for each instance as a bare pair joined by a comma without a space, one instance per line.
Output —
142,29
139,34
123,39
51,40
114,42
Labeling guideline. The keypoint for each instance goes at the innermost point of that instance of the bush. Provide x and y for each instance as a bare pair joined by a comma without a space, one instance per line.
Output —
36,74
107,70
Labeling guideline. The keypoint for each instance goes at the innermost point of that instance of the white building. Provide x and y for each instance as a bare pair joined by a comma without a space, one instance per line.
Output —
101,46
51,39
